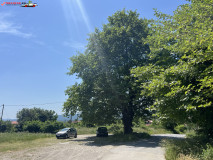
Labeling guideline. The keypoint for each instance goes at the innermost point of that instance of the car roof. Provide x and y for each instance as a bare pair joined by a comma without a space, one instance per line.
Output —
101,127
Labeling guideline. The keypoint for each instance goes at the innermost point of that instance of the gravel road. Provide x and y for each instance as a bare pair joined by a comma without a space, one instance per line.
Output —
84,148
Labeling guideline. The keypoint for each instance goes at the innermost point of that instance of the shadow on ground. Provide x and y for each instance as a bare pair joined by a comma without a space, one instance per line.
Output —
152,142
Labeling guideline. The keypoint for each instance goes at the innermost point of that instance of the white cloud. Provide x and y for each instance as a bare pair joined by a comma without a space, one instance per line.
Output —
9,27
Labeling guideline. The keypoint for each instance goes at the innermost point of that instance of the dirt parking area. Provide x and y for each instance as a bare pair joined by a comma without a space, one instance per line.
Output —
84,148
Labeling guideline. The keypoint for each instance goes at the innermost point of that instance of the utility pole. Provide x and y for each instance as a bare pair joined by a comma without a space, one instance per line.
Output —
2,113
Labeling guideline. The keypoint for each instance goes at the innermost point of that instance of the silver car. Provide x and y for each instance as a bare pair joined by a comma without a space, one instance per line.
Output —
66,133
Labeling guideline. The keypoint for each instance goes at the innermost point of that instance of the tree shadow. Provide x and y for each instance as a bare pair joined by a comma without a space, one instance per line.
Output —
151,142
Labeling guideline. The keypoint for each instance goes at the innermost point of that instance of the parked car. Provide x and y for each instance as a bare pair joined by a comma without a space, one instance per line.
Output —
102,131
66,133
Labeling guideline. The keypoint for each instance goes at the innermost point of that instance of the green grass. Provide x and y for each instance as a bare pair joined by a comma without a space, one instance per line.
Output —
151,130
85,130
22,136
194,148
22,140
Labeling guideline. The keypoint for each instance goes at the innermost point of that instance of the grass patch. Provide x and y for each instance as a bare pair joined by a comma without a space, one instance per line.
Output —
151,130
19,141
22,136
195,148
85,130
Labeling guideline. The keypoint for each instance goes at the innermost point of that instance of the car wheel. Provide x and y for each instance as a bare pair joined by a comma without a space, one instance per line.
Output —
66,136
75,135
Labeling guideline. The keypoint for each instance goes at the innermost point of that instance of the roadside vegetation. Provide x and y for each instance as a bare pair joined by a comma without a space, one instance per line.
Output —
135,70
191,148
22,140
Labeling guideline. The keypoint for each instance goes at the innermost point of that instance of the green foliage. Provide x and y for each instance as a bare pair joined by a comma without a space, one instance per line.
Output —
22,137
139,122
52,126
47,126
207,153
36,114
180,74
6,126
197,148
116,128
32,126
180,129
169,124
108,91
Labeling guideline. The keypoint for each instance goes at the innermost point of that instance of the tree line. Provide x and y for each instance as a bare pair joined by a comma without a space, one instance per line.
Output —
134,67
34,120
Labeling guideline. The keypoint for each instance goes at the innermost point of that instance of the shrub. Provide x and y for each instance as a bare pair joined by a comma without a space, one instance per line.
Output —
52,126
180,129
207,153
194,148
116,128
32,126
6,126
169,125
139,123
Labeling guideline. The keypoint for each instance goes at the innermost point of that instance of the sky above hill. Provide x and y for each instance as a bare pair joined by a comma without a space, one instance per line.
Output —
37,42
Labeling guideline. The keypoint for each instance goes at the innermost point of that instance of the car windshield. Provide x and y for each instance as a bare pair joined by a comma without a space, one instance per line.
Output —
65,129
102,129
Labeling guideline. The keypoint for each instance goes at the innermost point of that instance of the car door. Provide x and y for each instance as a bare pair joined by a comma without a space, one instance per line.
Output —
72,132
69,133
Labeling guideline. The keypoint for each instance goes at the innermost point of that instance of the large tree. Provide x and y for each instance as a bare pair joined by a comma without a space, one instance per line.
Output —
183,90
107,91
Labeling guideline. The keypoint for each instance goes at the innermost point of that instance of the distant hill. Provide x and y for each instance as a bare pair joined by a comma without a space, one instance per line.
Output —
7,119
60,118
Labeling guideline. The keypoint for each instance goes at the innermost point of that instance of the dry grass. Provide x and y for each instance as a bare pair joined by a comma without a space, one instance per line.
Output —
184,157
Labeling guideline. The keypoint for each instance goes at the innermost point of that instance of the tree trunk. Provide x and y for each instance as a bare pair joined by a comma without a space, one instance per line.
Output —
127,119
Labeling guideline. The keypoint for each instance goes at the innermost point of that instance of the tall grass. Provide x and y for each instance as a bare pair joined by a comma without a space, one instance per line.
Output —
22,136
194,148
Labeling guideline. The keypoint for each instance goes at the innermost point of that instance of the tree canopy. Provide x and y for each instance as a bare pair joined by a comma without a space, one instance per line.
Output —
165,65
108,91
182,89
36,114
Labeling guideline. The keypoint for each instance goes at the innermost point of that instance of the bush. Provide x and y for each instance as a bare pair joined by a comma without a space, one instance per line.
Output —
180,129
116,128
32,126
169,125
52,126
207,153
3,128
47,127
6,126
139,123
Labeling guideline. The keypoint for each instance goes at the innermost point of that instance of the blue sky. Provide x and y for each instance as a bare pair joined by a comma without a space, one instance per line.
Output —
36,44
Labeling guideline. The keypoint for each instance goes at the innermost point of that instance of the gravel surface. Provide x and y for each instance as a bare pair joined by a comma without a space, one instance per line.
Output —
83,148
